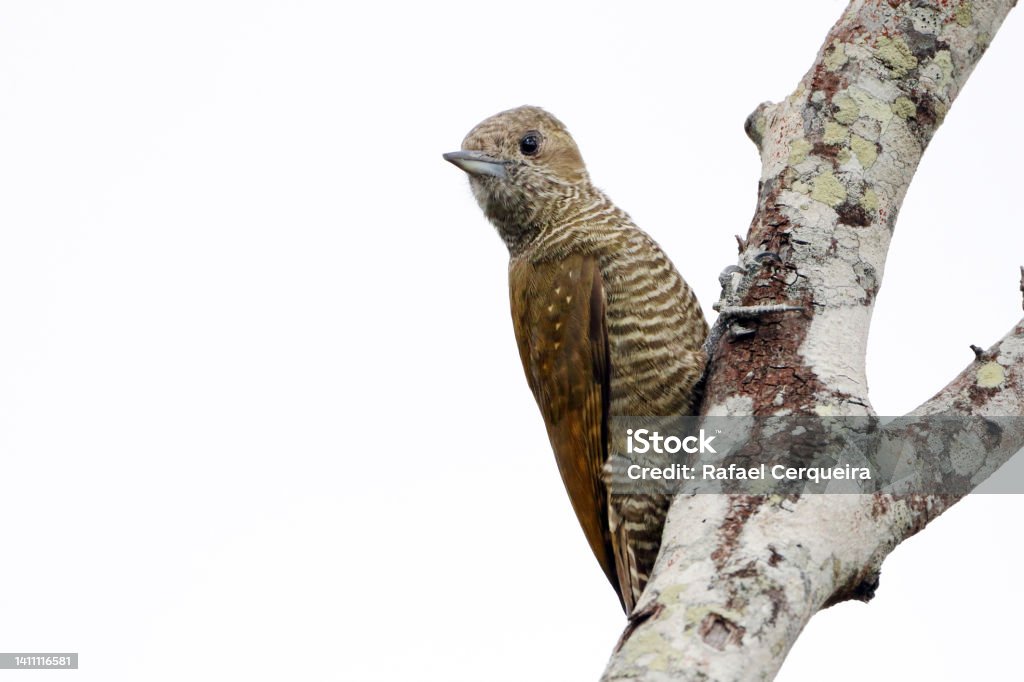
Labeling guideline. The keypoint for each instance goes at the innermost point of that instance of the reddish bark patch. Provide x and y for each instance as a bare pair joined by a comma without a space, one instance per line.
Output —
827,81
741,508
880,505
826,151
759,364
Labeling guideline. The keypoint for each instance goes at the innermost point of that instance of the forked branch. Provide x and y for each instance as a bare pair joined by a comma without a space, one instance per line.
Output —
739,576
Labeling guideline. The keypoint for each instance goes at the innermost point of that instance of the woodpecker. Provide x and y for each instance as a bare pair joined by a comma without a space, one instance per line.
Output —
605,324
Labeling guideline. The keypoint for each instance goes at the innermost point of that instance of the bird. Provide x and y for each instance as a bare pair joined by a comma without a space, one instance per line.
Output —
605,325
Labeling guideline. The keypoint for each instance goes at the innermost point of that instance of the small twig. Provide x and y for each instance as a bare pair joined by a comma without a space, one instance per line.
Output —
741,311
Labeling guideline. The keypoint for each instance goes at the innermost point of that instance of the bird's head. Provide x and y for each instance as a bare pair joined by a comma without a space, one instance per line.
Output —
525,170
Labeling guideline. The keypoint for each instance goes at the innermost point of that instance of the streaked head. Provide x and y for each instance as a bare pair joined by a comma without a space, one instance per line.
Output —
524,168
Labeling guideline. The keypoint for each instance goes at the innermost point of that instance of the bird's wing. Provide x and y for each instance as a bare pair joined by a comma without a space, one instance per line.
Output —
558,309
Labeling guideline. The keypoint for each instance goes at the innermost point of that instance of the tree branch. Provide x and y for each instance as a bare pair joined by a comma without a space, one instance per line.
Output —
739,576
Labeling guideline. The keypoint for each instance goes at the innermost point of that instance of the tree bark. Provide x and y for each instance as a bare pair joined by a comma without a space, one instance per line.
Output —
739,576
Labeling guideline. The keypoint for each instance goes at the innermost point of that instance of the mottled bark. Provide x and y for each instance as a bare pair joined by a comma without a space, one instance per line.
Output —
739,576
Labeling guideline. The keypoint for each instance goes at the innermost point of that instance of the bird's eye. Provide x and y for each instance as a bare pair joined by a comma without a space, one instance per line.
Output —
530,143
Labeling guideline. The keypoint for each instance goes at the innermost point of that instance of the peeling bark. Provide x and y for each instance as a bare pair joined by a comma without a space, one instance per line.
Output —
739,576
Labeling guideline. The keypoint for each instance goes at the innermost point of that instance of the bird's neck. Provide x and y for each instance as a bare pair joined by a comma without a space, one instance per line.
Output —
570,219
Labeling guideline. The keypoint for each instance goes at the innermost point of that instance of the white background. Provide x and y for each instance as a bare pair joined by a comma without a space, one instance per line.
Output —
261,410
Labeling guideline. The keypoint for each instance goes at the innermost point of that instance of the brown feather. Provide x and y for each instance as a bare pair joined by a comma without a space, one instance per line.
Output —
558,315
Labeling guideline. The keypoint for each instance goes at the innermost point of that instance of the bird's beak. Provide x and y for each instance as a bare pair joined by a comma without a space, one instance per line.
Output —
477,163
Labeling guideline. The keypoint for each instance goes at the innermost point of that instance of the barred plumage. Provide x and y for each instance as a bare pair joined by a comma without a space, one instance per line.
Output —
605,324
